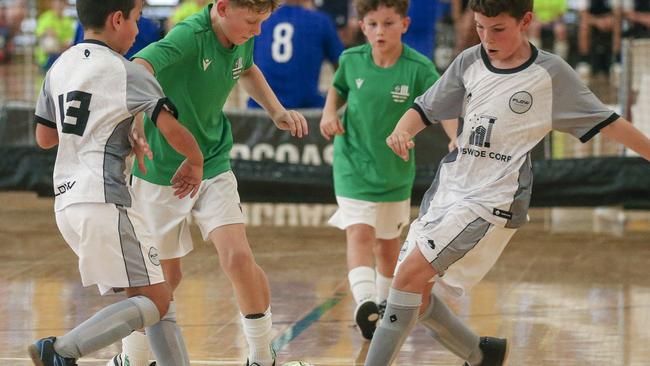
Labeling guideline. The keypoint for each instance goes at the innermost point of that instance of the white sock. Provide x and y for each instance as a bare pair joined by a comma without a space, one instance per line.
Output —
362,284
135,348
383,285
258,336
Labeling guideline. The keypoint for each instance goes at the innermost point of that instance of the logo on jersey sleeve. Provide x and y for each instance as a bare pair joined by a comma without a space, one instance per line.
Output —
237,68
521,102
400,93
482,132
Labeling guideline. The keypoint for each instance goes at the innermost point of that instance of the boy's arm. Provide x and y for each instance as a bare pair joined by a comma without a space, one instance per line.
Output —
624,132
451,129
401,139
189,175
330,123
146,65
254,83
46,137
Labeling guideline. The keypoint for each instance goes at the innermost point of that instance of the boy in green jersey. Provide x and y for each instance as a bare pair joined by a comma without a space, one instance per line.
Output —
197,64
379,82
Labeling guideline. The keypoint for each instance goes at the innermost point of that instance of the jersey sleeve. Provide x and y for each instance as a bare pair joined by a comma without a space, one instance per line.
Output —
144,94
428,75
332,43
444,99
45,112
177,46
339,83
576,110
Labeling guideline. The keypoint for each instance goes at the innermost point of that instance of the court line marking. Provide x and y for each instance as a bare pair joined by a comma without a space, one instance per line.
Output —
301,325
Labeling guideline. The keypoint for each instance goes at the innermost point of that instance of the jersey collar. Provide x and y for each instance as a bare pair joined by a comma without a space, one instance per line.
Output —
488,64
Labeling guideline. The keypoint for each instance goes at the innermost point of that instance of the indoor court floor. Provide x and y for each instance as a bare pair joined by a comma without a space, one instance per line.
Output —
571,289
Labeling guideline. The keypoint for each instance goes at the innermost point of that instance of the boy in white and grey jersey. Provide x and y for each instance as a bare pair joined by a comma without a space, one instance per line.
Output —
508,96
87,105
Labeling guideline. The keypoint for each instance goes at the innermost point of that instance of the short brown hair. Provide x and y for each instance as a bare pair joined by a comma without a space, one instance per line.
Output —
491,8
366,6
258,6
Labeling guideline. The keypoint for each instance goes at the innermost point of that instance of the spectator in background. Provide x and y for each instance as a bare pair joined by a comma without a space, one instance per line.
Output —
599,38
636,18
184,10
342,13
5,35
421,34
290,51
549,15
149,31
464,25
54,32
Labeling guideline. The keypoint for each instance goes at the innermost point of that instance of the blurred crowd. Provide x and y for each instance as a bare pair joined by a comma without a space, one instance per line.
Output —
587,33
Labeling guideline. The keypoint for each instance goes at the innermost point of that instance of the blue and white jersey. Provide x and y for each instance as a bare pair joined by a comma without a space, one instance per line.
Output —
504,114
91,96
290,52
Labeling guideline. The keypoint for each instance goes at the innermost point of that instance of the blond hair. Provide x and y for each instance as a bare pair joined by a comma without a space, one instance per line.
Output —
258,6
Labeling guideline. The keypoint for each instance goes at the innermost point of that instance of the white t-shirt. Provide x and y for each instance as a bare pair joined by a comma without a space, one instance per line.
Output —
504,114
91,95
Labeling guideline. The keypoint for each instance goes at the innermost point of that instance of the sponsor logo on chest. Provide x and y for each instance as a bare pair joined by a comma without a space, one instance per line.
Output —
237,68
400,93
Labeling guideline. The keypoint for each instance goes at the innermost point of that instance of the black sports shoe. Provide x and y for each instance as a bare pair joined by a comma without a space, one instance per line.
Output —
366,316
495,351
43,354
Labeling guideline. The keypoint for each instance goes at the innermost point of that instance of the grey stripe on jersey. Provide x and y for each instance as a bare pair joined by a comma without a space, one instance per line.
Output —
575,109
465,241
143,92
134,261
428,195
521,200
116,150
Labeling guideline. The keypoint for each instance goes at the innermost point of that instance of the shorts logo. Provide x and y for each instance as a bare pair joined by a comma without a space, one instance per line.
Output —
153,256
521,102
431,243
502,213
393,318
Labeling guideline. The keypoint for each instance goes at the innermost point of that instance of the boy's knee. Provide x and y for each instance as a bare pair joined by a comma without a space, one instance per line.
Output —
237,259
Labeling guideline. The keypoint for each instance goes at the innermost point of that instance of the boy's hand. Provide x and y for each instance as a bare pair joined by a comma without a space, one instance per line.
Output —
187,179
290,120
140,148
453,145
400,142
330,126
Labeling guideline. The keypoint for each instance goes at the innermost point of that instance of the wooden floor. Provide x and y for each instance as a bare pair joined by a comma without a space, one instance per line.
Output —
572,288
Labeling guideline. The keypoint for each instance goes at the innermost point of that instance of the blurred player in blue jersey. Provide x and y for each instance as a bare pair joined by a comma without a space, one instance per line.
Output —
294,42
421,34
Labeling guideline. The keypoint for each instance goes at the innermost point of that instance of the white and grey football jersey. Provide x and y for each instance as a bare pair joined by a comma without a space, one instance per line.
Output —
504,114
91,95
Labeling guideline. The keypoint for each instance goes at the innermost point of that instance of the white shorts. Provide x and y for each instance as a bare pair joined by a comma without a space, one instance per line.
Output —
460,245
216,204
388,218
113,245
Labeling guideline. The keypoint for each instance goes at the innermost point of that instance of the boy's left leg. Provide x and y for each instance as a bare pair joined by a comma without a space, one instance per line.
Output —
251,290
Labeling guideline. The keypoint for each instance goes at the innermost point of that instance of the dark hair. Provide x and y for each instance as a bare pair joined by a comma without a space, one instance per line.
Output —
92,13
366,6
491,8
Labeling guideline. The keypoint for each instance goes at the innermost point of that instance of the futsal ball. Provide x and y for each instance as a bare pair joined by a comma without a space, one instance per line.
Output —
297,363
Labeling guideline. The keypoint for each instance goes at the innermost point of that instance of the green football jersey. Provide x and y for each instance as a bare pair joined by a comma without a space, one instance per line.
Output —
365,168
197,73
